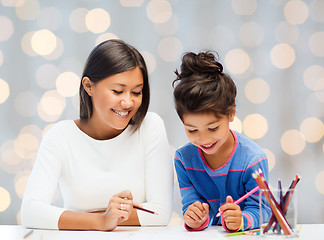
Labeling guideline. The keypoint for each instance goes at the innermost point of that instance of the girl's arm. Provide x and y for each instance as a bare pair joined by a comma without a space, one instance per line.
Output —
189,194
251,210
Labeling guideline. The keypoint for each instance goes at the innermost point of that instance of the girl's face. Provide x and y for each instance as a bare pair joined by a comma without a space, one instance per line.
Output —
206,131
116,99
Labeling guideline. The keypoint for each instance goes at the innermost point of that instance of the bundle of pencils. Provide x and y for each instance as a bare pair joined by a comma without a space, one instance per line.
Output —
278,209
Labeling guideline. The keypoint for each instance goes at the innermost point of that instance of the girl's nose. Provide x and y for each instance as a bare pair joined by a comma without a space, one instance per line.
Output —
204,139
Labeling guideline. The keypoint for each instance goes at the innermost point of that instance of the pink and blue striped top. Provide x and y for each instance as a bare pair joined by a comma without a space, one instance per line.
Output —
198,182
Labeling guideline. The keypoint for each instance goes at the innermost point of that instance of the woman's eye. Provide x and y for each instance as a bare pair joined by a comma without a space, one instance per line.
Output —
213,129
117,92
137,93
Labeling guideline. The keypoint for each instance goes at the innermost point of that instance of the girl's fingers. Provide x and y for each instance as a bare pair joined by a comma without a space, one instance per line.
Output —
193,215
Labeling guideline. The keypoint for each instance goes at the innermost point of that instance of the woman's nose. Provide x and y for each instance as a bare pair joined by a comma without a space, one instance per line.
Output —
127,101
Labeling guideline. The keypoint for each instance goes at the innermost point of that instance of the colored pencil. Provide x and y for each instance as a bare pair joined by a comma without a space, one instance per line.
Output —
241,198
285,202
145,210
273,203
248,232
28,234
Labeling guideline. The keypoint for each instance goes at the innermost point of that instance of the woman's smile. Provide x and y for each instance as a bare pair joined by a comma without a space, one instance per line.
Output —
123,114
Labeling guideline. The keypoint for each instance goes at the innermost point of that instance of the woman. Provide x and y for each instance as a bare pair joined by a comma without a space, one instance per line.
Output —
115,156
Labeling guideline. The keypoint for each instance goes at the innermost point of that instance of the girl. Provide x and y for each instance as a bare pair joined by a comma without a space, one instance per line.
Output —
114,155
217,165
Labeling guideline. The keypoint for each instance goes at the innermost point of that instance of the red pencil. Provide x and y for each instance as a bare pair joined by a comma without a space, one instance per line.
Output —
145,210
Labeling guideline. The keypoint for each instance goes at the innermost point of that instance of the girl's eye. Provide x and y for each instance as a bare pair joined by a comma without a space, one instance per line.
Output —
117,92
213,129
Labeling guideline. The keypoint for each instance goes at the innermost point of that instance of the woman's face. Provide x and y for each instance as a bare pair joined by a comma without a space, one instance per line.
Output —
117,98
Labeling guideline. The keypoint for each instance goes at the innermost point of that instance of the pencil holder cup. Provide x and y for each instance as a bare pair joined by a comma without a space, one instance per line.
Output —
278,213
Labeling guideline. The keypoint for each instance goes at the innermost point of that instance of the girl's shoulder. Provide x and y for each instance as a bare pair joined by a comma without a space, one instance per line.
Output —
187,150
247,144
248,151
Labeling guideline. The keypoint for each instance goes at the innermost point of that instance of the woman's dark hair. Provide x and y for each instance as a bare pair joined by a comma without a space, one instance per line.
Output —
202,86
109,58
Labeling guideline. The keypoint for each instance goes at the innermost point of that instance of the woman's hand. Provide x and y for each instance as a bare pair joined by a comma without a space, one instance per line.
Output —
232,215
196,214
119,209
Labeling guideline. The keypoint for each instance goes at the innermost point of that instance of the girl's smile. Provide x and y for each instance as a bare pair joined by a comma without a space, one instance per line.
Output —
208,132
208,147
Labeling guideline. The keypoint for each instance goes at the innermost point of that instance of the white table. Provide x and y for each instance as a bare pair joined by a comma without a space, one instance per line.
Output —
14,232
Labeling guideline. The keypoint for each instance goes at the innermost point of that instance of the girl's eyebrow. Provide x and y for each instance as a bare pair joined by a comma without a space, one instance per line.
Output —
189,125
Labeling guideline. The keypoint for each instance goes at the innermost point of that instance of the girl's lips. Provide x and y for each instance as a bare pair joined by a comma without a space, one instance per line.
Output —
208,147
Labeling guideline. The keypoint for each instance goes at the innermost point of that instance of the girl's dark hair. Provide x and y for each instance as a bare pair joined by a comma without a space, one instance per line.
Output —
202,86
109,58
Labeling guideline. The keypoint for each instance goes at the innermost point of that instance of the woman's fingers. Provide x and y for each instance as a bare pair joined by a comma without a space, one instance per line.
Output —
125,194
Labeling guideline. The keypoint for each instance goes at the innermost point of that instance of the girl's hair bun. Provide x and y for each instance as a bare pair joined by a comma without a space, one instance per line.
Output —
203,62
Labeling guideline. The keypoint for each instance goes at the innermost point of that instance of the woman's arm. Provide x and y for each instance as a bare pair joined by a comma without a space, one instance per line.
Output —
159,179
36,209
104,221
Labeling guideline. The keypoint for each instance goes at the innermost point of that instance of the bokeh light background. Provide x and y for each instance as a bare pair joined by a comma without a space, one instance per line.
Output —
274,50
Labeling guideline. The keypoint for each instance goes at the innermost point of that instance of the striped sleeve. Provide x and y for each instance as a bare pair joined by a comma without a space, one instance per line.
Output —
251,210
188,192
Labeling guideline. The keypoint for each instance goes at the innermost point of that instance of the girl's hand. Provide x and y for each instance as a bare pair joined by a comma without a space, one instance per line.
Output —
196,214
119,209
232,214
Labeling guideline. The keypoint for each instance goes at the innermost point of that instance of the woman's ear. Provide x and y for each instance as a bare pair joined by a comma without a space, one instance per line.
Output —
87,85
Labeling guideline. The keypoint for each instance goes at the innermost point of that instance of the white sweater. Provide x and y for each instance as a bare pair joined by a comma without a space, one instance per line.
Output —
89,172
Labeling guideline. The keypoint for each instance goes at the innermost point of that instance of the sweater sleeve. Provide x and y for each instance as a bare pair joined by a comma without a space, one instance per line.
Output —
36,209
188,192
158,174
251,210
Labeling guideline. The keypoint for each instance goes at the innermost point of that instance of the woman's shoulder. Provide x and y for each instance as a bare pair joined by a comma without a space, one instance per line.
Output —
152,119
59,128
152,116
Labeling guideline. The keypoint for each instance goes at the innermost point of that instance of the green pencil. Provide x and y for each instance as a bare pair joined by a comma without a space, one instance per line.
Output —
255,231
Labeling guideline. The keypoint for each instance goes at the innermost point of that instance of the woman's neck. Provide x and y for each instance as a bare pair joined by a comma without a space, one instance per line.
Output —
97,131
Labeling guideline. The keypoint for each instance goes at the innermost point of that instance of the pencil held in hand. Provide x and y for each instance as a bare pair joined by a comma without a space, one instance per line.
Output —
242,198
145,210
